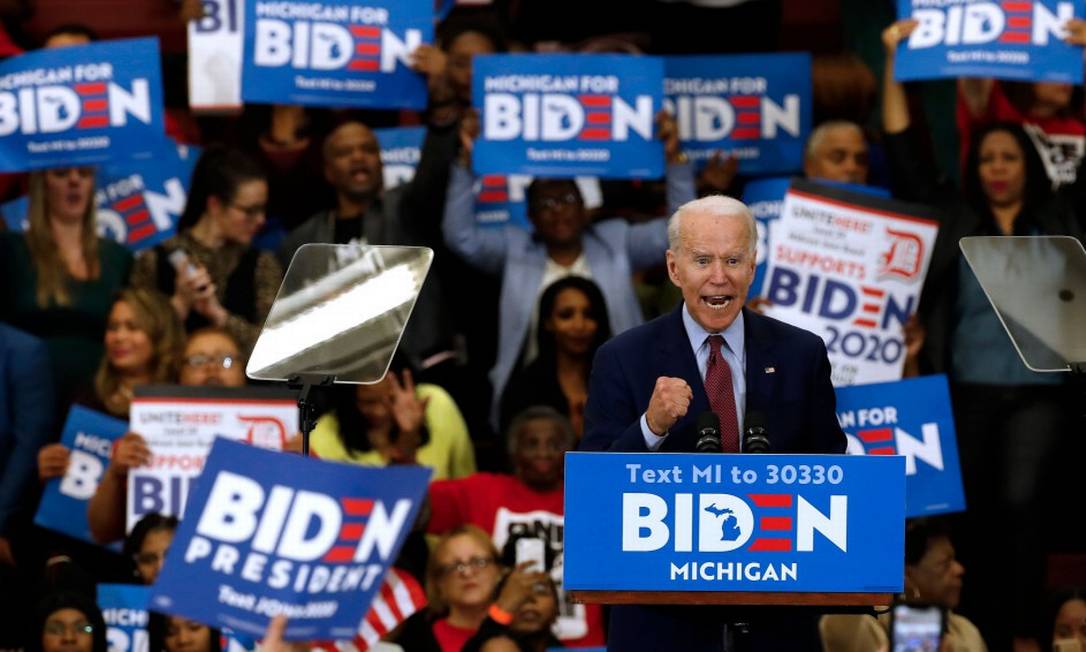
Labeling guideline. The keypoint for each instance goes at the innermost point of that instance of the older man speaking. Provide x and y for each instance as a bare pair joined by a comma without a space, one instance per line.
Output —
650,384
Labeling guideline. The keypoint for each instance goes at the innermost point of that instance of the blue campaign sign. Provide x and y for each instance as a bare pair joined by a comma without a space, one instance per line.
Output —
268,533
1013,39
755,107
124,608
344,53
912,418
82,105
764,198
89,435
568,115
688,522
138,203
401,148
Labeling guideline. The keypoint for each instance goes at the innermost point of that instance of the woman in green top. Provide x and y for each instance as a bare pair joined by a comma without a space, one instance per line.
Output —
395,422
59,277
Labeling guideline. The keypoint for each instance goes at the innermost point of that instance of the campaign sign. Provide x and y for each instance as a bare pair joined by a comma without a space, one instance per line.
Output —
912,418
755,107
849,267
180,424
89,436
1012,39
344,53
270,533
765,198
215,56
138,203
568,114
124,608
81,105
401,149
688,522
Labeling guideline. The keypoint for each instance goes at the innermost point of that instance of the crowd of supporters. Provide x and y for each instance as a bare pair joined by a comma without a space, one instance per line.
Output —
490,383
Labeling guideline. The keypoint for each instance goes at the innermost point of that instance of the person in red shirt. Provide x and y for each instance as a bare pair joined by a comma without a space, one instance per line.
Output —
461,580
525,504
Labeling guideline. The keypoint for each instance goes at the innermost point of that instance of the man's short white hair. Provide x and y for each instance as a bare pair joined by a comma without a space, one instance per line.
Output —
714,206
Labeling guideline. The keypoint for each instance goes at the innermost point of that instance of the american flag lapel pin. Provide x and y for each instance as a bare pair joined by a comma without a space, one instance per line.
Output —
770,370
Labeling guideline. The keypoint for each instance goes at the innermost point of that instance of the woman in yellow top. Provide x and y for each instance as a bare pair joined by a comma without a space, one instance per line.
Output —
395,422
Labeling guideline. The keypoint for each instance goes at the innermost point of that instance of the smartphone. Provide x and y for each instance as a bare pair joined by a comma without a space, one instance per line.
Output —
534,550
916,627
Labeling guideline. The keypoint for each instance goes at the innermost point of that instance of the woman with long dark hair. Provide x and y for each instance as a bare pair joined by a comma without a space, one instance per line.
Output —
1008,418
572,325
210,271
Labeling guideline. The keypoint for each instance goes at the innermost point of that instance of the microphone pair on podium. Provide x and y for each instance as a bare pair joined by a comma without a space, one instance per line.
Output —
755,436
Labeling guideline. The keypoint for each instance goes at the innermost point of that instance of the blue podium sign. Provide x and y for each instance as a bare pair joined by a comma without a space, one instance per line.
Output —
689,522
911,418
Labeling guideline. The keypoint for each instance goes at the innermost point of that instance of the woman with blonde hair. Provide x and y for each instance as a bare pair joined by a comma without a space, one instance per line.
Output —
60,277
461,579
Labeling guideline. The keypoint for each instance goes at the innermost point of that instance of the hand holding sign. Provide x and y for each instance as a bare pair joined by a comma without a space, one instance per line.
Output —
1076,32
668,131
896,33
469,131
670,400
131,451
52,461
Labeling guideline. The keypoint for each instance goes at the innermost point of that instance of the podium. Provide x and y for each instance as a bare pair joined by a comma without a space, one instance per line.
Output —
751,530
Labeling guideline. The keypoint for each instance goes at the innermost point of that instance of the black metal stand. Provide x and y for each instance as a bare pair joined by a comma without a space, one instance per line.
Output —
307,411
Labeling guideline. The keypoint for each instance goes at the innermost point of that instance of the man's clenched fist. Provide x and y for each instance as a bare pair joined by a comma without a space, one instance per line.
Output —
669,403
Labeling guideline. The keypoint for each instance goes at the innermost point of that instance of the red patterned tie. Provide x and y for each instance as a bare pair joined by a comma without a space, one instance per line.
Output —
718,385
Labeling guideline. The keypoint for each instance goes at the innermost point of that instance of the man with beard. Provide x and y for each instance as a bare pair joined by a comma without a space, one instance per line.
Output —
368,213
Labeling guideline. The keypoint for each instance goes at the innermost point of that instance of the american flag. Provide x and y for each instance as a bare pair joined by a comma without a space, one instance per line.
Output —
399,597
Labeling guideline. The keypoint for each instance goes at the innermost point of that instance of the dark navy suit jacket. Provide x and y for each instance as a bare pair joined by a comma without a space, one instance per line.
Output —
788,381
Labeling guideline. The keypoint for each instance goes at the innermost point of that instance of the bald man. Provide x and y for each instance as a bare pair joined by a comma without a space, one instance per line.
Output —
837,151
368,213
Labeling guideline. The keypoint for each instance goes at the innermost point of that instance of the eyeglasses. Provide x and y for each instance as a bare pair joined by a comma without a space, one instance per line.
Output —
148,558
57,628
251,212
461,567
200,360
552,203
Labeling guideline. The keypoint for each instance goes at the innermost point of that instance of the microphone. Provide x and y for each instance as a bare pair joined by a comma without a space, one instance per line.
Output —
708,429
755,437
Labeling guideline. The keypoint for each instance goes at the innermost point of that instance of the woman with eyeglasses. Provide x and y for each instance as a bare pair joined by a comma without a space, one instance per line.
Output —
210,270
212,357
461,577
60,277
68,622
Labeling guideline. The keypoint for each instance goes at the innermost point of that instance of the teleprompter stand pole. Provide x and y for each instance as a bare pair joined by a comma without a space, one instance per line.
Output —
307,410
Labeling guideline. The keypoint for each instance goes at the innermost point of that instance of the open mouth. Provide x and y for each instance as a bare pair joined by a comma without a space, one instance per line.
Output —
717,301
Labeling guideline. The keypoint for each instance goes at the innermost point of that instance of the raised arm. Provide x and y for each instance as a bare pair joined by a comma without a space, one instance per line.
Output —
895,106
483,248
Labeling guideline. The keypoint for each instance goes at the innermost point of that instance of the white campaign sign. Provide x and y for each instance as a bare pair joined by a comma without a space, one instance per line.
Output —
849,268
215,51
180,431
